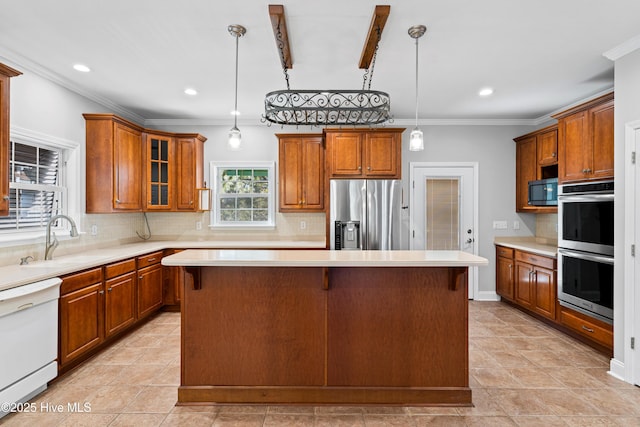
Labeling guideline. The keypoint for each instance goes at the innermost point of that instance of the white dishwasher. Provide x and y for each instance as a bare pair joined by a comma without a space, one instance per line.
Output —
28,339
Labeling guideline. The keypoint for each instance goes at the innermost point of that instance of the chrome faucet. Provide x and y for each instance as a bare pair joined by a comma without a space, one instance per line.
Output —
49,247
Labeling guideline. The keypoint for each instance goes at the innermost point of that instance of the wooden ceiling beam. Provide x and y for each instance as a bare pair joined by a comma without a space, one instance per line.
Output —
279,25
380,15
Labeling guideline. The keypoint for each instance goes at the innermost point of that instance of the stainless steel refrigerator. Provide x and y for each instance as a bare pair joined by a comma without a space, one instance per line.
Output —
365,214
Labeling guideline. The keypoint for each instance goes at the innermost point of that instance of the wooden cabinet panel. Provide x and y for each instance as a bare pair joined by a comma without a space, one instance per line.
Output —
535,282
547,146
345,154
5,75
301,172
526,168
602,122
127,168
120,310
149,290
81,317
360,153
591,328
585,141
523,284
382,154
545,292
505,274
190,172
172,280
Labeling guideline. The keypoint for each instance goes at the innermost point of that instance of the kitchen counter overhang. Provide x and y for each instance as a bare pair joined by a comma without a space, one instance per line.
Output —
334,327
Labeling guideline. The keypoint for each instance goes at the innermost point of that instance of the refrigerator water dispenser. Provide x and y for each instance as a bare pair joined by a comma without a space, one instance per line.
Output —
347,235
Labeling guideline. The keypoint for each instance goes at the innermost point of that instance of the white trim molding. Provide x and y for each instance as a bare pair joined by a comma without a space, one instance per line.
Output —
623,49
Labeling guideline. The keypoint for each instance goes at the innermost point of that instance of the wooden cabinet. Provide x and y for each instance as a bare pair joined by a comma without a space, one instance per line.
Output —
5,75
172,279
536,158
120,284
81,314
149,289
114,164
364,153
159,165
585,141
588,327
190,173
505,272
535,283
132,169
301,172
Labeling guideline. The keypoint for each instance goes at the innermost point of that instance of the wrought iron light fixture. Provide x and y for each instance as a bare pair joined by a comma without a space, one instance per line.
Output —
416,140
235,138
328,107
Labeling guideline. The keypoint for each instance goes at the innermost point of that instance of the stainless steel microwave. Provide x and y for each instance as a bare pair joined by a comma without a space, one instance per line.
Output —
543,192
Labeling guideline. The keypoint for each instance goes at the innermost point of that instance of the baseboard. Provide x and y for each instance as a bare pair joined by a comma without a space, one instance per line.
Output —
486,296
616,369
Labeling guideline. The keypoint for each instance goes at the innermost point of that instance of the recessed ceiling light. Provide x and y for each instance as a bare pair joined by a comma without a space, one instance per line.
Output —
190,91
82,68
485,91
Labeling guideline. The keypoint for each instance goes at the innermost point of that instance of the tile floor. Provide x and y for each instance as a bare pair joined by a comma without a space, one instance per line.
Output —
523,373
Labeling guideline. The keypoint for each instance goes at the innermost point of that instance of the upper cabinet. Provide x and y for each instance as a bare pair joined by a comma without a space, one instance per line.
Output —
536,158
364,153
585,141
131,169
301,172
114,164
5,74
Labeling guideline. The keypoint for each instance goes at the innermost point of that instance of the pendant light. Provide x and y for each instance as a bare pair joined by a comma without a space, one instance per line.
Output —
235,138
416,140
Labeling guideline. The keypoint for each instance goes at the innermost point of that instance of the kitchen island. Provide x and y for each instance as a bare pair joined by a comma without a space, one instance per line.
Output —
316,326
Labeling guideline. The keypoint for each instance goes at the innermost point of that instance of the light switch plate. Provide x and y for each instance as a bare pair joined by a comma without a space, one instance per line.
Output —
500,225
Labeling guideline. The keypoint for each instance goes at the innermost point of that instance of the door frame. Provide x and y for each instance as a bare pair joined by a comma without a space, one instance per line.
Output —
631,264
443,165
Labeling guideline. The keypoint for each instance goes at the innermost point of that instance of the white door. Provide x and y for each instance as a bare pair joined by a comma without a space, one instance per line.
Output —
443,209
632,263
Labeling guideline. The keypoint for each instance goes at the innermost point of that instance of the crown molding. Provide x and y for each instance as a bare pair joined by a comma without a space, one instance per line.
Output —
25,64
623,49
36,137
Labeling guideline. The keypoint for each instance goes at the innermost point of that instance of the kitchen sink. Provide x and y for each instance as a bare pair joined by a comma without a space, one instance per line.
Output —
66,261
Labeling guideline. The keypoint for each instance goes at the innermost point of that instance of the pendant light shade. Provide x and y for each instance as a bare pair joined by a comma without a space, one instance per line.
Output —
235,138
416,140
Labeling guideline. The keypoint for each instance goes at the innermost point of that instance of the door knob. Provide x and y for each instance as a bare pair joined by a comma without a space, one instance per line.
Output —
469,240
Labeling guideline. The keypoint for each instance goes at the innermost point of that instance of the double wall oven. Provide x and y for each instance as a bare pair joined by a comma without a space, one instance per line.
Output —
585,248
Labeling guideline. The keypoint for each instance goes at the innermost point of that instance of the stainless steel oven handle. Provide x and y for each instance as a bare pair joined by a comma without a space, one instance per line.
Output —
586,198
587,257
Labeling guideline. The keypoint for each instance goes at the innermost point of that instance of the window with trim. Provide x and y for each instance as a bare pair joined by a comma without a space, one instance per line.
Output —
243,194
36,191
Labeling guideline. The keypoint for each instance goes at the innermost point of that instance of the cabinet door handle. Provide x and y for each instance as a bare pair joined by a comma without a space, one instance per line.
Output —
117,200
553,154
139,277
101,292
190,202
5,197
151,259
109,289
359,168
368,168
587,329
588,170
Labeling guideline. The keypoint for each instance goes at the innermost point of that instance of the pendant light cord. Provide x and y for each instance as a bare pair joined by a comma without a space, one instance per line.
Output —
417,82
235,111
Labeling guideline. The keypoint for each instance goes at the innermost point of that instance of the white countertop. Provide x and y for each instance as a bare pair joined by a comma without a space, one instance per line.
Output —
322,258
529,244
12,276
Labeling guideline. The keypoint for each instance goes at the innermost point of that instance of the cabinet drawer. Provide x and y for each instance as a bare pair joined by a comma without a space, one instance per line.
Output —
149,259
119,268
590,328
77,281
504,252
537,260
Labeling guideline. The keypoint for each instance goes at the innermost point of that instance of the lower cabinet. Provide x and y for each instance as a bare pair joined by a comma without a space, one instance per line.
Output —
529,281
149,284
81,314
172,284
120,284
98,304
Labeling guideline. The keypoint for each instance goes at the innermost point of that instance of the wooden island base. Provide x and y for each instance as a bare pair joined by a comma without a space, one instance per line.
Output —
325,335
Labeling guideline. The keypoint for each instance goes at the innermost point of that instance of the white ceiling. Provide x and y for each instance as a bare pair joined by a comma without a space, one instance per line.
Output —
539,55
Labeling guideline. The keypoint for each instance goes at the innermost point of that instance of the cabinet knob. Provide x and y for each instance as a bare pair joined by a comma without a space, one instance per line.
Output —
117,200
553,154
190,202
5,197
109,289
368,168
101,292
359,168
139,277
588,170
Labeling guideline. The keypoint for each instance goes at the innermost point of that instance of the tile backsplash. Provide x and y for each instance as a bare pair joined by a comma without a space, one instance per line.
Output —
547,226
114,229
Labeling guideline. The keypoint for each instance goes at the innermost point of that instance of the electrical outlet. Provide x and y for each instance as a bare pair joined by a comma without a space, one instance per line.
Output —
94,230
198,225
499,225
303,225
516,225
